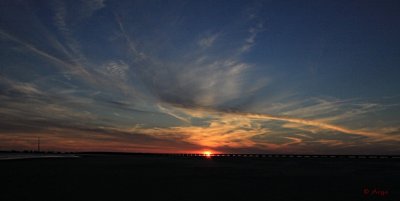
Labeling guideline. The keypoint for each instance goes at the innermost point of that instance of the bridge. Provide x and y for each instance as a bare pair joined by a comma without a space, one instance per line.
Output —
289,156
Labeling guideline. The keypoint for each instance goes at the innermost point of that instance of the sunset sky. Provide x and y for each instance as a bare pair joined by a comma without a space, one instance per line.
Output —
317,77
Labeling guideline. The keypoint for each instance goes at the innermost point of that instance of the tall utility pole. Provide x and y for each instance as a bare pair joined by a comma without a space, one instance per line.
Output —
38,144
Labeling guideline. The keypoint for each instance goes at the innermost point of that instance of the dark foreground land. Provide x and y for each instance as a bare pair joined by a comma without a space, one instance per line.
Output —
157,177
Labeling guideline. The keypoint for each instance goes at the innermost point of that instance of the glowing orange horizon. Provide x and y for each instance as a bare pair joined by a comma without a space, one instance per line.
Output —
207,154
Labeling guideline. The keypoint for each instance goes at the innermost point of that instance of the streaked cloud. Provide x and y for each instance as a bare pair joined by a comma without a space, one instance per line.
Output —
207,41
315,126
250,40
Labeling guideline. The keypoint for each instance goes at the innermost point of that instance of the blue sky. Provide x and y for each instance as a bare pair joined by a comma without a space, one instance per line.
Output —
186,76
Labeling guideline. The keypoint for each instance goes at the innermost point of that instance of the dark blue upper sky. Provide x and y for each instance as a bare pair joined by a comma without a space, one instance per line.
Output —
185,76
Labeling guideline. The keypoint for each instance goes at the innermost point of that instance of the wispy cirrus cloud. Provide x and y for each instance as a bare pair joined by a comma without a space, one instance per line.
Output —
207,74
255,125
208,40
250,40
230,132
43,54
24,88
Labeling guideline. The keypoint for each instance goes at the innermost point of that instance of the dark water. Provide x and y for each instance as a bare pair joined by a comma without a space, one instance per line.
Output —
135,177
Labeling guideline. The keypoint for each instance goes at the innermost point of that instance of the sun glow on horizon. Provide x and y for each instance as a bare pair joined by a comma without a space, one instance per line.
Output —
207,154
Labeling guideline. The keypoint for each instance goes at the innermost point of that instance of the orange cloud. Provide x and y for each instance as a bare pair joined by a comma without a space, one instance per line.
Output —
226,131
215,114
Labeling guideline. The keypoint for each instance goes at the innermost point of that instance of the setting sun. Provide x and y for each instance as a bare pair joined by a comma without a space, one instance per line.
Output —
207,154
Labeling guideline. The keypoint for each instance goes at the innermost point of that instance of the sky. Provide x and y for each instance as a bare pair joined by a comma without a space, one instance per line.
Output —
287,77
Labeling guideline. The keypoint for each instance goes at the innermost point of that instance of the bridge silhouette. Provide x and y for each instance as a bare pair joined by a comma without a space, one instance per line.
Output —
302,156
